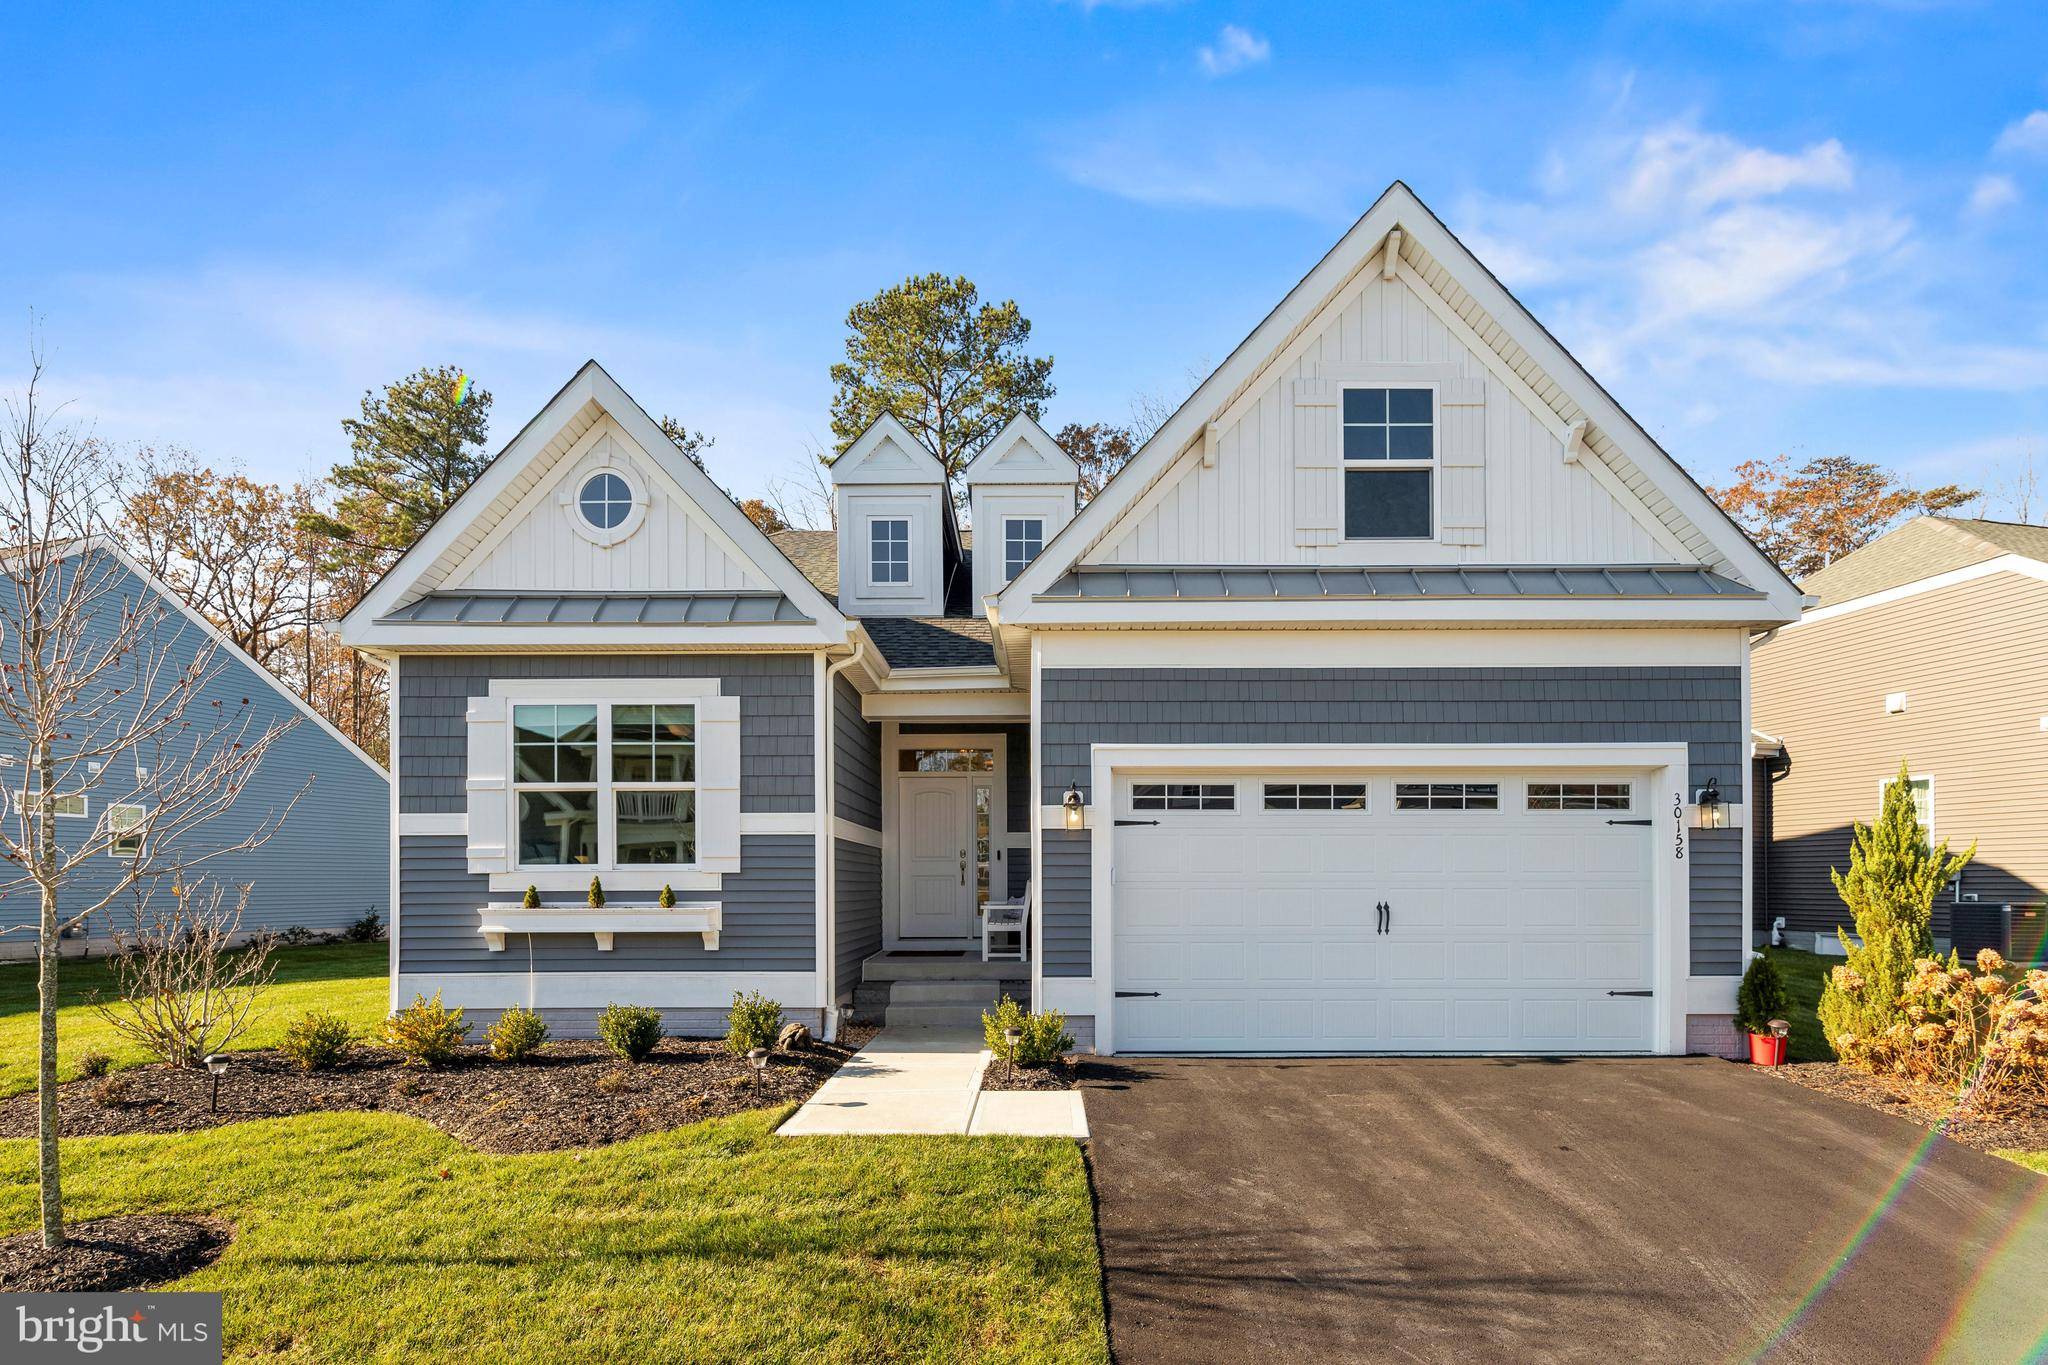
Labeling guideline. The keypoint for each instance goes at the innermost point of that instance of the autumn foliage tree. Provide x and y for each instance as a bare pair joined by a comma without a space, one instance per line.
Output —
1099,449
1807,518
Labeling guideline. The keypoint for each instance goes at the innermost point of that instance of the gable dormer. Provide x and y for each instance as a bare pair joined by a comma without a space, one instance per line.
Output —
897,538
1020,494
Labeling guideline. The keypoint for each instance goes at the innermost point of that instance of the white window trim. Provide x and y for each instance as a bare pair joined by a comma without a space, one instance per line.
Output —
604,789
571,500
909,586
1928,778
1434,463
1008,522
85,804
141,817
576,877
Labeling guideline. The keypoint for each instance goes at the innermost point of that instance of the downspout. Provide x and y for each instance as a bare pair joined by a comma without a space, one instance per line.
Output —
828,883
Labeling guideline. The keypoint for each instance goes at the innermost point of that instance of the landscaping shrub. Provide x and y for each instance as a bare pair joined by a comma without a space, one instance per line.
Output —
184,991
1045,1033
112,1091
316,1040
368,929
753,1022
1985,1032
516,1034
630,1030
426,1033
1890,887
93,1065
296,936
1761,997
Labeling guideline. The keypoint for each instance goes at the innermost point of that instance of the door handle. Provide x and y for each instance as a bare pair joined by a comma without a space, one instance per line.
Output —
963,867
1383,922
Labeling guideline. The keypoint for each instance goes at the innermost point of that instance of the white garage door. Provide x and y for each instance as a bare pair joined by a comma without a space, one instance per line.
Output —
1385,912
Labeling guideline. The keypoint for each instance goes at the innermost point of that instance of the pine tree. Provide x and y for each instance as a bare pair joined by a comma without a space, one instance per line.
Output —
1894,875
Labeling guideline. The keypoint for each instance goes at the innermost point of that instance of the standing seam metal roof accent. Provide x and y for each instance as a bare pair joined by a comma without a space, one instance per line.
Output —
1378,582
601,609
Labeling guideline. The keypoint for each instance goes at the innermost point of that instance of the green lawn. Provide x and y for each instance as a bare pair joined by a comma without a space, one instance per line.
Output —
347,978
376,1237
2033,1161
1803,974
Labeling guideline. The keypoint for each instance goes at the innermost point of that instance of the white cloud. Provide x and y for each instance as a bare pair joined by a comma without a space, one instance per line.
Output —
1678,166
1992,193
1234,50
1150,156
1743,262
2028,135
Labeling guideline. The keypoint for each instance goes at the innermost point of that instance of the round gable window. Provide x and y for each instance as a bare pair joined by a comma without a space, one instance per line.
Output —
606,505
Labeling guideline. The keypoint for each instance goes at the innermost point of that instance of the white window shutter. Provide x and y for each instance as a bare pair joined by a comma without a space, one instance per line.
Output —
489,784
1461,450
1318,468
718,784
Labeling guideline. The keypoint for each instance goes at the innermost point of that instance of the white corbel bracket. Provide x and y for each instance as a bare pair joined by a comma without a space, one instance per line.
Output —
1575,440
1390,259
1212,436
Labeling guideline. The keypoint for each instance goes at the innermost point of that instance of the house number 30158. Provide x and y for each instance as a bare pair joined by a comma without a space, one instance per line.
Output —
1678,825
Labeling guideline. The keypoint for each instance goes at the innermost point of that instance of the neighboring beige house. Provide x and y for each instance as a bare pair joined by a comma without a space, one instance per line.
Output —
1929,645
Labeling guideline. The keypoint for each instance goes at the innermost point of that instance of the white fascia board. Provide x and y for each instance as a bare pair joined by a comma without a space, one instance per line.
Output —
442,635
1749,612
1712,646
979,678
729,526
848,467
2009,563
988,468
234,651
945,705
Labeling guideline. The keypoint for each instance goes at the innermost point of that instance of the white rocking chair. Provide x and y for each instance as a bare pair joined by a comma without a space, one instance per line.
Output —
1005,917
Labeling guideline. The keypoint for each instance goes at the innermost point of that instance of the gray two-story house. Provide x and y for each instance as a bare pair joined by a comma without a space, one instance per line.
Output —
1394,698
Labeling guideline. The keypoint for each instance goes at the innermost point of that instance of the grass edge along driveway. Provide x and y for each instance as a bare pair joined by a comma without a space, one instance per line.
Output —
376,1237
347,978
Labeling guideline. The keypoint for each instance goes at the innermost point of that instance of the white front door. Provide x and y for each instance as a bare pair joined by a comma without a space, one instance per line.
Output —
943,866
1461,912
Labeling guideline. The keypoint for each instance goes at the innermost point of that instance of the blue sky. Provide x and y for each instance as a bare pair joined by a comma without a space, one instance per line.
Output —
1807,227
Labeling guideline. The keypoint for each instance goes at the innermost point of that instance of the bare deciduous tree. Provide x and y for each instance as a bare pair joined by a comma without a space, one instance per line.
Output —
99,713
185,988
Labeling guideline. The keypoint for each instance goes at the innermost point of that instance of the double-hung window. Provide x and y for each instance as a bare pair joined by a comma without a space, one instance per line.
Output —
1389,464
889,550
124,830
1023,538
605,786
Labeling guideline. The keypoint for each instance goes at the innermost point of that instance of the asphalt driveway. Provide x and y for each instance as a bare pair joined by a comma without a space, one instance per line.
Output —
1626,1209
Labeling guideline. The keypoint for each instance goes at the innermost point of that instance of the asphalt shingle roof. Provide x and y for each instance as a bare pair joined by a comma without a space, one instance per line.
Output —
1922,548
932,641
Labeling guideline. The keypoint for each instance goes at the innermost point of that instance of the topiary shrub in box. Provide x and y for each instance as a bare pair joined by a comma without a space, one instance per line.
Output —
516,1034
632,1031
426,1033
1761,997
753,1022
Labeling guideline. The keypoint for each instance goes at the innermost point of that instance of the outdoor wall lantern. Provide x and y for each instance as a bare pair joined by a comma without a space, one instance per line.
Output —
1713,811
1077,813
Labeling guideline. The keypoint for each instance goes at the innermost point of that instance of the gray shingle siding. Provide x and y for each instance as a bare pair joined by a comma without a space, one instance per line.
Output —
770,917
776,743
857,872
328,861
1699,706
856,760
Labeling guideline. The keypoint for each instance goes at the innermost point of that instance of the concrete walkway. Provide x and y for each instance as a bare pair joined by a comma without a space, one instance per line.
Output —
928,1080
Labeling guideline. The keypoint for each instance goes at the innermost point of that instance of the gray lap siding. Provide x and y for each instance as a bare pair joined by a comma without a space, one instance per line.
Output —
770,906
1698,706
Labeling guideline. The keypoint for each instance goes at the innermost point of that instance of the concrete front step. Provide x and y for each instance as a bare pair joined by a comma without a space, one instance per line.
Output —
944,992
964,967
934,1016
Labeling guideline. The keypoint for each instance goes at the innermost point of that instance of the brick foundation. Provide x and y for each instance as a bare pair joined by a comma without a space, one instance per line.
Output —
1714,1035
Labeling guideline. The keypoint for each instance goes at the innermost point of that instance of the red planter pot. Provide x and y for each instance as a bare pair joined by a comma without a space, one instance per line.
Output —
1767,1049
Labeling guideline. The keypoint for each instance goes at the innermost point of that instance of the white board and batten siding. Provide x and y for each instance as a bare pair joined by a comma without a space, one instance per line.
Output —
672,550
1274,491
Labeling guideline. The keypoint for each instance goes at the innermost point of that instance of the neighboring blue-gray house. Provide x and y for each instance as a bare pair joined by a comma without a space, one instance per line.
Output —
327,864
1393,698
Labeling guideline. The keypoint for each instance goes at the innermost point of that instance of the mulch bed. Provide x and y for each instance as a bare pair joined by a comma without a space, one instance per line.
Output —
108,1255
2024,1128
1059,1075
568,1094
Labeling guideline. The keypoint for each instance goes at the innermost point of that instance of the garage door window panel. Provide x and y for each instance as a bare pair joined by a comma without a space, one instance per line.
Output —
1569,796
1447,796
1184,796
1316,796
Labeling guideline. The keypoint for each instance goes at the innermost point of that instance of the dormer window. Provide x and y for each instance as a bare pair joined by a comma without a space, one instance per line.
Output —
889,550
1389,464
1023,538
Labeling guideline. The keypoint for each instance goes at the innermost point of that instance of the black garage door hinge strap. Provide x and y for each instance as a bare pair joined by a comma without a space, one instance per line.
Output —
1631,992
1628,822
1135,995
1154,822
